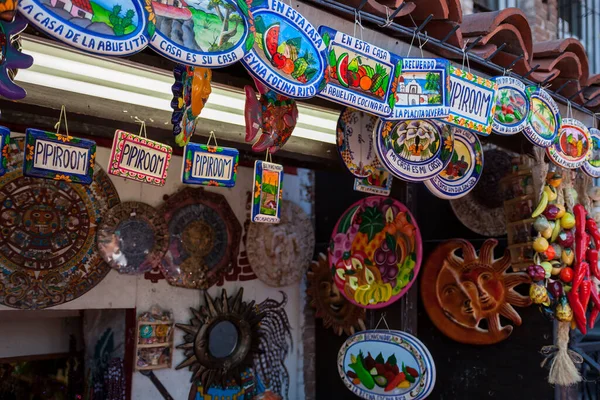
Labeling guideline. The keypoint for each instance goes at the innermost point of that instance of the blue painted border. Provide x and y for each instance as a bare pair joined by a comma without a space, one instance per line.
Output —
256,192
4,144
193,148
534,92
588,168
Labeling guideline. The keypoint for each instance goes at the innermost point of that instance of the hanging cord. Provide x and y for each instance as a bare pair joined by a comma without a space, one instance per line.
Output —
358,21
268,157
465,57
212,136
63,114
382,318
388,21
142,127
569,109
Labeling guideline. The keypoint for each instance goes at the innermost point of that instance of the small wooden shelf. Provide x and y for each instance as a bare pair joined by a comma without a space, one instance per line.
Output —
148,351
147,346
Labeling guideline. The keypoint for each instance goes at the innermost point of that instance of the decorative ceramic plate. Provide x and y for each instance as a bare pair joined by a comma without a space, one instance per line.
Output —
133,238
375,251
573,145
48,253
464,169
405,367
512,106
414,150
543,120
355,142
288,54
204,238
592,165
280,253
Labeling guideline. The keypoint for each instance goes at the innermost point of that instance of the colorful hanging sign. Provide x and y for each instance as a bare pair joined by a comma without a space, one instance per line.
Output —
288,54
108,27
139,159
512,106
268,192
12,58
543,120
375,252
592,165
358,73
355,142
51,155
413,150
386,364
472,101
4,148
377,183
464,169
209,165
202,32
422,88
573,145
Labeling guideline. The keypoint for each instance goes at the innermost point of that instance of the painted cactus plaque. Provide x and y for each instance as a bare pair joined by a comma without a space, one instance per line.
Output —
572,146
108,27
464,169
422,87
378,183
543,120
209,165
268,192
4,148
592,165
139,159
358,74
472,101
355,142
413,150
403,367
512,106
51,155
287,53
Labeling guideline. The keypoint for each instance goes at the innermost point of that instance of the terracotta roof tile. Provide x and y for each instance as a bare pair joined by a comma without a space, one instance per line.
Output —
84,5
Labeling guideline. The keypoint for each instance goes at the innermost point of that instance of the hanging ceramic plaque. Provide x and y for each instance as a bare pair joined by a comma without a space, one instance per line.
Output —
108,27
202,32
12,58
404,367
378,183
375,252
572,146
4,148
51,155
464,169
592,165
422,89
268,192
139,158
358,74
355,142
209,165
472,101
512,106
288,54
413,150
543,120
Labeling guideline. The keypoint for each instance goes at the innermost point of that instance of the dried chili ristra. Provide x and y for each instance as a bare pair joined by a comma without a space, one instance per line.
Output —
585,293
580,272
592,258
592,228
578,311
596,308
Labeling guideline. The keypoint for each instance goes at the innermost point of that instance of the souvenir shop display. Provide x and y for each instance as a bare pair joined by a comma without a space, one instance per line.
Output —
464,169
359,74
459,293
375,252
244,390
154,340
268,192
272,114
12,58
591,166
207,165
288,54
422,89
413,150
512,106
330,305
280,253
204,238
378,183
4,148
572,146
133,238
544,120
49,228
386,364
355,142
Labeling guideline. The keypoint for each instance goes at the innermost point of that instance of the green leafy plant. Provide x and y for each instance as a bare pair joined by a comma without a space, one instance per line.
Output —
118,22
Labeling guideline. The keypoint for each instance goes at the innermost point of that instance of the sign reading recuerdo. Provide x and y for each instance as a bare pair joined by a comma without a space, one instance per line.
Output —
209,165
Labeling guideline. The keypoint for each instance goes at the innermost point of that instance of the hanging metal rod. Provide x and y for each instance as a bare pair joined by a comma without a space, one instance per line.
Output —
498,50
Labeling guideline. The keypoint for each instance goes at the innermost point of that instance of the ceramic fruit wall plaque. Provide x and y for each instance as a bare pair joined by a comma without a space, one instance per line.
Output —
139,158
592,165
422,89
512,106
268,192
375,252
4,148
413,150
464,169
543,120
472,101
60,157
112,27
459,293
288,54
402,366
573,145
378,183
355,142
201,33
12,58
209,165
358,74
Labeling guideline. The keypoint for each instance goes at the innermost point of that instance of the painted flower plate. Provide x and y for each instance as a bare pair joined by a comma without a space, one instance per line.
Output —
573,145
543,120
592,165
355,142
512,106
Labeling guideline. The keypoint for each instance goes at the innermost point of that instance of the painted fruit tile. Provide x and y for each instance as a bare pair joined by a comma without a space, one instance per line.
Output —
592,165
573,145
4,148
287,53
543,120
268,192
378,183
358,74
355,142
512,106
209,165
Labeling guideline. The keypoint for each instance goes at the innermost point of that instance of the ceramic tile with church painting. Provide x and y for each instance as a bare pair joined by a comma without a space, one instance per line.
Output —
268,192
